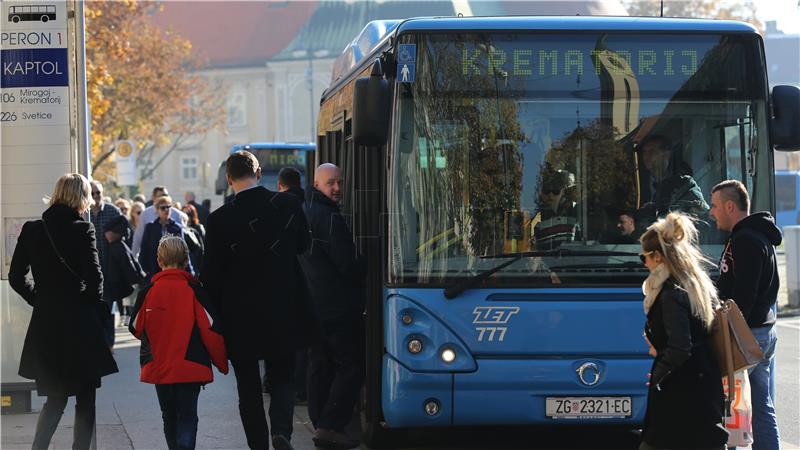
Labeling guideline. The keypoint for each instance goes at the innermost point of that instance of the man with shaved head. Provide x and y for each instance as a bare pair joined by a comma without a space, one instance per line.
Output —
334,271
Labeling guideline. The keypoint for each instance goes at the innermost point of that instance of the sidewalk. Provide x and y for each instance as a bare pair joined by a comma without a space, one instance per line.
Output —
128,416
784,310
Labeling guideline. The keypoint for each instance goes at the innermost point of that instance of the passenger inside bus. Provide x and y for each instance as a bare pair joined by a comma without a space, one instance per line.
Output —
672,187
557,216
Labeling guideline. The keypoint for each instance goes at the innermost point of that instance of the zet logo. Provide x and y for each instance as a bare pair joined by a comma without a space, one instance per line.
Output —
493,321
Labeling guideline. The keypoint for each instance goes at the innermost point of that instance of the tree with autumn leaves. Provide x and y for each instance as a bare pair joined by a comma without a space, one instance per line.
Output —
707,9
143,86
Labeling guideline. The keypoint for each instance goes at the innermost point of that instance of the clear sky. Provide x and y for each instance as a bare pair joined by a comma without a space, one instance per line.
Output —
786,12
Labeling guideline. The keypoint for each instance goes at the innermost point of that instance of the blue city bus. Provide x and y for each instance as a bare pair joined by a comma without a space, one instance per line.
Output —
272,157
447,131
787,194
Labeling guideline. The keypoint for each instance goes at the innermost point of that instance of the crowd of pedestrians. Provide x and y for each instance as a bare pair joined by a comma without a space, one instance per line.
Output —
275,276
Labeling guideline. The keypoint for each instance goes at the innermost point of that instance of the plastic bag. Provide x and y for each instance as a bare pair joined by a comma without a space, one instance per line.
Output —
740,422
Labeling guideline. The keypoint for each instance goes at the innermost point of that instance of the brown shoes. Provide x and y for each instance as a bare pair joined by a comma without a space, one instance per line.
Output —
326,438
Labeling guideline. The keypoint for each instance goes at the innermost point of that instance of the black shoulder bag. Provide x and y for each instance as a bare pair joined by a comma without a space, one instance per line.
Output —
61,258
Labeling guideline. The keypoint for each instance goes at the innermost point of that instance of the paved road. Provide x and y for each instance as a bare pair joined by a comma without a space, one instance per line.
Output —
128,415
788,380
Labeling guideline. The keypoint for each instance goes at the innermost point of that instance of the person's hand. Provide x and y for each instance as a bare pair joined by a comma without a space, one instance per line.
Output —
650,349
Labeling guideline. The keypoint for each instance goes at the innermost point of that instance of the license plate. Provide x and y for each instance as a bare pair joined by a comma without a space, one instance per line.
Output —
588,407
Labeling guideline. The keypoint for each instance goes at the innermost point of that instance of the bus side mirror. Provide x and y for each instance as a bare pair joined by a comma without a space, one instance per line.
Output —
371,108
785,129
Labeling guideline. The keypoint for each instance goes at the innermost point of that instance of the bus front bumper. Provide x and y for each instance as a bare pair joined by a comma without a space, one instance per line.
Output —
511,392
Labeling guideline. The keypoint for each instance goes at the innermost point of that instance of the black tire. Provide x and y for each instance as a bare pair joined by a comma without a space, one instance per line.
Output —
15,19
45,19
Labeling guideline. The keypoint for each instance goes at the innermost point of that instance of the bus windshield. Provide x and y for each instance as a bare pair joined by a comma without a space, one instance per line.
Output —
527,142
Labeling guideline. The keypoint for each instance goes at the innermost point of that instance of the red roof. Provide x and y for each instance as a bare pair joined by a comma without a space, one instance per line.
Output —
236,33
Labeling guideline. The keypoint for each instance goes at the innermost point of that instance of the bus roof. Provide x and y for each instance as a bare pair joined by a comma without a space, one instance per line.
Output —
273,146
573,23
375,33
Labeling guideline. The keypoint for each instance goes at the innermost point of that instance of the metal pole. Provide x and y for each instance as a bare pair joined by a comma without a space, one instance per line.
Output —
84,124
311,95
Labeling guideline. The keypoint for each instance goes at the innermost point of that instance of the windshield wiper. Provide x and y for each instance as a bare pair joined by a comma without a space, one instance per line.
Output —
628,265
456,289
561,252
459,287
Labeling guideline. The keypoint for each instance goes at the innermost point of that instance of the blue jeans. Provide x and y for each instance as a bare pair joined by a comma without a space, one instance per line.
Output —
178,404
762,391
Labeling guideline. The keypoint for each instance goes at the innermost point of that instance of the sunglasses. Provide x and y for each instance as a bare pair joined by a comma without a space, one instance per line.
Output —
94,193
138,213
552,191
643,256
164,207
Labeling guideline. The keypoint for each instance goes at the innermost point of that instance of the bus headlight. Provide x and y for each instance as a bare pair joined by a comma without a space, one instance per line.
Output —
414,346
448,355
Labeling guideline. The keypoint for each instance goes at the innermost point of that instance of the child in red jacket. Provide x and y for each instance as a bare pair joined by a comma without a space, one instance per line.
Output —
174,320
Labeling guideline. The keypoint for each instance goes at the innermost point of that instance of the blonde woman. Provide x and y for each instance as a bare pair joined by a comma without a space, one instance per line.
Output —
124,207
136,214
685,399
65,350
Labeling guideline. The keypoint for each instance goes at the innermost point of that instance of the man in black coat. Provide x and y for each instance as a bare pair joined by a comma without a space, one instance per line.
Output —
252,273
335,272
289,181
748,273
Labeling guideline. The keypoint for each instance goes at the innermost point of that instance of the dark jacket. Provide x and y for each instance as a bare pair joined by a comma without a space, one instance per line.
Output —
748,269
685,399
252,273
297,192
123,271
678,192
174,320
334,270
202,212
195,236
148,256
65,349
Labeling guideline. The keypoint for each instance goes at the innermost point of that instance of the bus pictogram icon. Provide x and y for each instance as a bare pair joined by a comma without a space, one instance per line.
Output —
31,13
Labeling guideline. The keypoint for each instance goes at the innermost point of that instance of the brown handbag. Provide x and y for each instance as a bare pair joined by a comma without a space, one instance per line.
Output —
733,343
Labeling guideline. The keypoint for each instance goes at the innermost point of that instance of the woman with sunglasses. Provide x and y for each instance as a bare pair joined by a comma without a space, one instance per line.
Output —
154,231
136,214
684,399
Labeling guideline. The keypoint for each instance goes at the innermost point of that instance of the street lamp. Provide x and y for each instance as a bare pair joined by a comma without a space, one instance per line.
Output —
310,55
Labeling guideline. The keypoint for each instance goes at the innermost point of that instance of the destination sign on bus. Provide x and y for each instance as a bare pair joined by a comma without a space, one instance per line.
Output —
274,159
523,62
571,65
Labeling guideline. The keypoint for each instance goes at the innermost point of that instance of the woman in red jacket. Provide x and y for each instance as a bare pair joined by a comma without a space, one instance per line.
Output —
173,319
